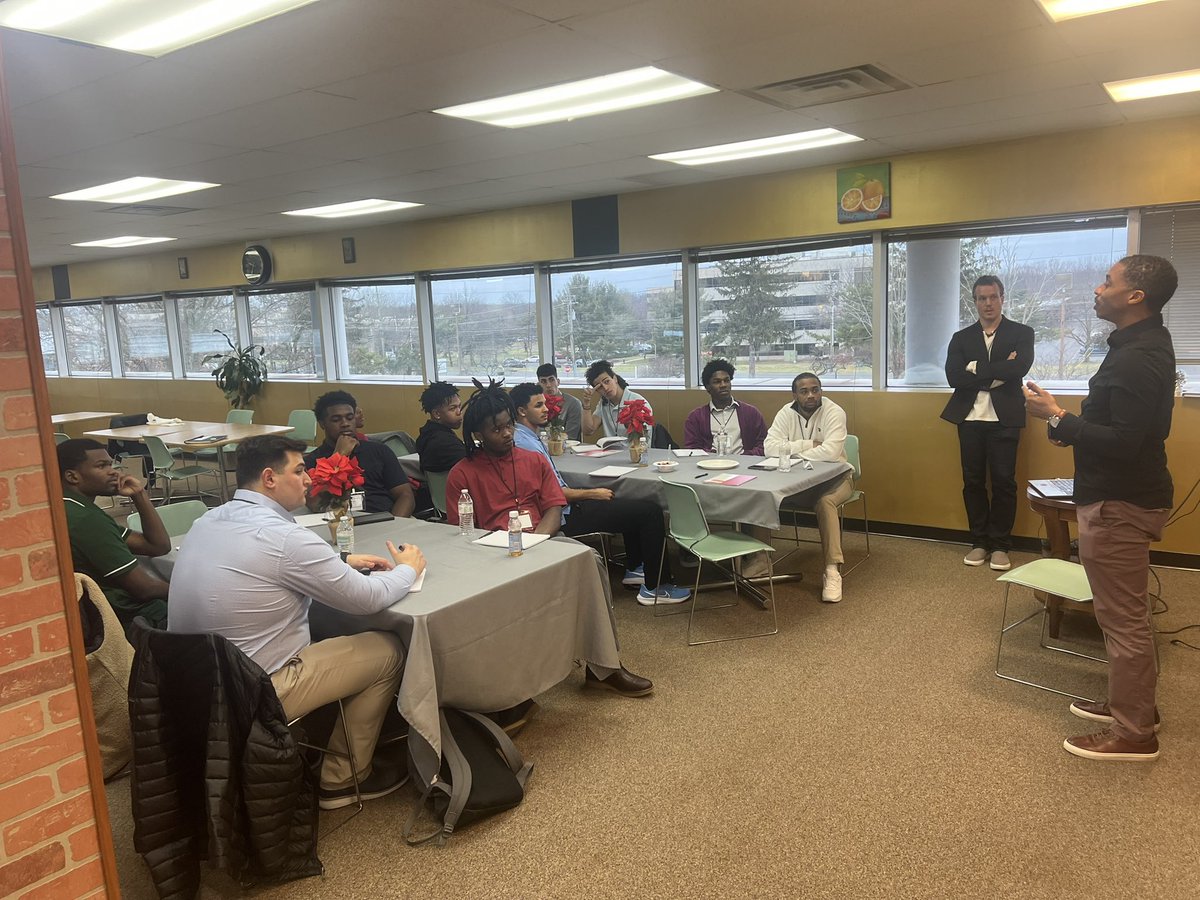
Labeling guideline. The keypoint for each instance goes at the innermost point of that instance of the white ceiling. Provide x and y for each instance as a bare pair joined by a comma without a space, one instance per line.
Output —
332,102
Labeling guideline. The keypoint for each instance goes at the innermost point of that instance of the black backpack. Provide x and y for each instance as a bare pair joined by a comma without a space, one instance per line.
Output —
482,773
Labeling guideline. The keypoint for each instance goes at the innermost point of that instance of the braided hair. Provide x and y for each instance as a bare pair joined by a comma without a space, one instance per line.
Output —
486,403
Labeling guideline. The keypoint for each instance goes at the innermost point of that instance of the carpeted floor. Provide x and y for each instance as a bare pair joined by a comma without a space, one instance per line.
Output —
865,751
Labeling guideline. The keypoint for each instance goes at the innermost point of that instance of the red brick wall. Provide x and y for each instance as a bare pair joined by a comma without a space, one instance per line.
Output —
50,794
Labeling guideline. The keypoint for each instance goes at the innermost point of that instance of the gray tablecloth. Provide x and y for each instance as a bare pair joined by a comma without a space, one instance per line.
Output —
754,503
487,631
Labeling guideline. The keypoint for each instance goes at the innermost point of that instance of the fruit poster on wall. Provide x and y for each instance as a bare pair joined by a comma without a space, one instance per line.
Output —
864,193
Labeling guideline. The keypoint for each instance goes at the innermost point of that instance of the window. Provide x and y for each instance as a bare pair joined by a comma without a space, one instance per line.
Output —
631,315
485,325
200,318
1175,234
285,323
142,337
777,313
86,339
379,328
46,334
1049,270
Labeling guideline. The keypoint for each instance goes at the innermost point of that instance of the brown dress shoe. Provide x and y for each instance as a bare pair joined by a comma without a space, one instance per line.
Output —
622,682
1106,745
1098,711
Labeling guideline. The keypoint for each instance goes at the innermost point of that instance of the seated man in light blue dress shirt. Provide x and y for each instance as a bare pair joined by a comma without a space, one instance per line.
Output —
249,572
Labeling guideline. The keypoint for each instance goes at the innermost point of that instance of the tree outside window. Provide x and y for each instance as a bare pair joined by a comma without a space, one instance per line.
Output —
46,336
86,340
200,318
285,324
380,330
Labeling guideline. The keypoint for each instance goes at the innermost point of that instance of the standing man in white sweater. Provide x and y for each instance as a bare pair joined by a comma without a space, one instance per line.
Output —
814,427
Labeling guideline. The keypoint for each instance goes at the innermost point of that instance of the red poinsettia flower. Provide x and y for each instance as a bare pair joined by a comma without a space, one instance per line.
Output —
554,406
334,478
635,415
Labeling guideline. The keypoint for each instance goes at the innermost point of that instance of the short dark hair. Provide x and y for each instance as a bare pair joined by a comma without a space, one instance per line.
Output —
333,398
437,394
1154,276
547,369
486,403
799,378
523,393
73,453
601,367
985,281
715,366
268,451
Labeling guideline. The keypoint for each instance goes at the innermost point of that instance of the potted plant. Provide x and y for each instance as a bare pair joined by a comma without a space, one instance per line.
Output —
241,372
334,479
558,431
635,415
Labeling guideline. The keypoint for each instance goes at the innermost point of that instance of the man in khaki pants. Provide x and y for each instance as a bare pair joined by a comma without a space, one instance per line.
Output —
249,572
1124,493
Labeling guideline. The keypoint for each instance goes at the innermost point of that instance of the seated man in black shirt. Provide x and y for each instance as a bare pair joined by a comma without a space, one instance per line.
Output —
387,489
437,444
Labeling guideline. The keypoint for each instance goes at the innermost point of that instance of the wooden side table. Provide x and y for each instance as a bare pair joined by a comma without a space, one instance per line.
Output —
1058,514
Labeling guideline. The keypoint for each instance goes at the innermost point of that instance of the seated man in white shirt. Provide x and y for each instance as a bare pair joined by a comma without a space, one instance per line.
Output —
814,427
613,392
249,572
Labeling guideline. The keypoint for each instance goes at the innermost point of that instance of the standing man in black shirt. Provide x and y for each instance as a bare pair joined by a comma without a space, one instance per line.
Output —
1123,494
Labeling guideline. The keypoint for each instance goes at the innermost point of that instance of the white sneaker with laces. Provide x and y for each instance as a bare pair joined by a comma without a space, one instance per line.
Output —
831,591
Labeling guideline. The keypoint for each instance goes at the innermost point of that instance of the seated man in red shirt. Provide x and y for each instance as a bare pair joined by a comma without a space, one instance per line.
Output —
502,477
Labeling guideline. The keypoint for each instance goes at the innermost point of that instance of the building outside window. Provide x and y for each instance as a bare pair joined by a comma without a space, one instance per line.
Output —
200,318
285,323
86,339
631,315
775,313
46,336
142,337
380,331
485,326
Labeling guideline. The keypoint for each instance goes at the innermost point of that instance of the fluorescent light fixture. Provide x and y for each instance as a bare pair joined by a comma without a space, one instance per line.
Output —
1154,86
783,143
1058,10
128,240
148,27
134,190
577,99
353,208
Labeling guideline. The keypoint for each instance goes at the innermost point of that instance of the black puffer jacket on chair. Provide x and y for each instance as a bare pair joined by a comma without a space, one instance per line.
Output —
217,774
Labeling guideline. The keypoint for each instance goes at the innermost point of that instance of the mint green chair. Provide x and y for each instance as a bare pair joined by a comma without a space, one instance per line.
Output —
178,518
1051,576
303,423
437,490
689,529
167,468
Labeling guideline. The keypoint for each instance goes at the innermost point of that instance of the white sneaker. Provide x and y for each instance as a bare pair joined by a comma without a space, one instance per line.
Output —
831,591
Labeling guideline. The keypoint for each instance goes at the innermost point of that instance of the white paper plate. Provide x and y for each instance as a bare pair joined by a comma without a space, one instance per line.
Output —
718,463
570,444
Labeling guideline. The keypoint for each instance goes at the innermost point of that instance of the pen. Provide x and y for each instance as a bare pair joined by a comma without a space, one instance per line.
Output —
701,475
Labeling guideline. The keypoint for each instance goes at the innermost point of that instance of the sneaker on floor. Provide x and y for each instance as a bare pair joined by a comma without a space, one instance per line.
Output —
666,593
831,590
634,577
977,557
1000,561
382,781
1105,745
1097,711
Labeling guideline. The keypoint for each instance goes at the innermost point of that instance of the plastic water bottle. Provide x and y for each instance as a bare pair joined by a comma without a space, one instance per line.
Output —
345,534
514,534
544,437
466,513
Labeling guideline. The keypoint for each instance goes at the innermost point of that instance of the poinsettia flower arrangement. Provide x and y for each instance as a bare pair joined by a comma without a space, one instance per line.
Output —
636,416
554,406
334,479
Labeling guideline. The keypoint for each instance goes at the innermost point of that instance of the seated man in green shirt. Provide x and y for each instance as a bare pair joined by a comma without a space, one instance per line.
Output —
102,549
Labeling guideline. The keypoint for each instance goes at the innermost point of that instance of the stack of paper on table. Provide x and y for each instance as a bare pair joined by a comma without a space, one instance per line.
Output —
500,539
686,452
596,453
585,448
731,480
613,471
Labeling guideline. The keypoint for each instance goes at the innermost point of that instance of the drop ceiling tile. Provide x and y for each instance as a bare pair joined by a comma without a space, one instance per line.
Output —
38,139
389,136
142,155
37,67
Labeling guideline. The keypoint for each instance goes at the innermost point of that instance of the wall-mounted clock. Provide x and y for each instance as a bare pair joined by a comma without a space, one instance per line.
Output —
256,264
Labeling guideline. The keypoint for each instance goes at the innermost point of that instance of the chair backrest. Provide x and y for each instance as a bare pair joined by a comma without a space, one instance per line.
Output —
127,448
177,517
303,424
59,437
240,417
660,439
437,489
160,456
688,524
852,455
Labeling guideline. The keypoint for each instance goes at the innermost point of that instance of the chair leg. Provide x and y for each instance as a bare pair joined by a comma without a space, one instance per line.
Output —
1004,629
738,637
866,533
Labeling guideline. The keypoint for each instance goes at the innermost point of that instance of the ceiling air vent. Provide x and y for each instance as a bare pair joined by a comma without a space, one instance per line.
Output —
142,209
828,87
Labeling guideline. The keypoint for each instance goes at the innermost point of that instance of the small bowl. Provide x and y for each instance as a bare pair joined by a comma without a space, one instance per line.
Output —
666,465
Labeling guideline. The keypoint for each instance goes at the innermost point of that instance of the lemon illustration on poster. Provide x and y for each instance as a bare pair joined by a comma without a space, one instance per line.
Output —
864,193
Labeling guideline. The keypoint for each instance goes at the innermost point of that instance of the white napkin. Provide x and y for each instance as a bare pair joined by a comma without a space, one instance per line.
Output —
152,419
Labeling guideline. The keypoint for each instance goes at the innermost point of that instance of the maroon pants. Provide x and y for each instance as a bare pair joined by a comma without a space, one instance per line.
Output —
1114,547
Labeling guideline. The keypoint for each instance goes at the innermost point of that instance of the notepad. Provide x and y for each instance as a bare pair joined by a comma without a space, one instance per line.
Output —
598,453
420,582
584,448
730,480
500,539
613,471
686,452
206,438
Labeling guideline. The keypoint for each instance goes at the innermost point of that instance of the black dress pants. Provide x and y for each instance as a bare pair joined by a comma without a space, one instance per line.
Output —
989,449
639,521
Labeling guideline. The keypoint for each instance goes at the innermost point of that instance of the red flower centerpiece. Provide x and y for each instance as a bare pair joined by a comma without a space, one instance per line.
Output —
334,479
558,429
635,415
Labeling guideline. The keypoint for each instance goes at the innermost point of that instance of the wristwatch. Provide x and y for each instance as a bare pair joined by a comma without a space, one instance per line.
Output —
345,556
1055,419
